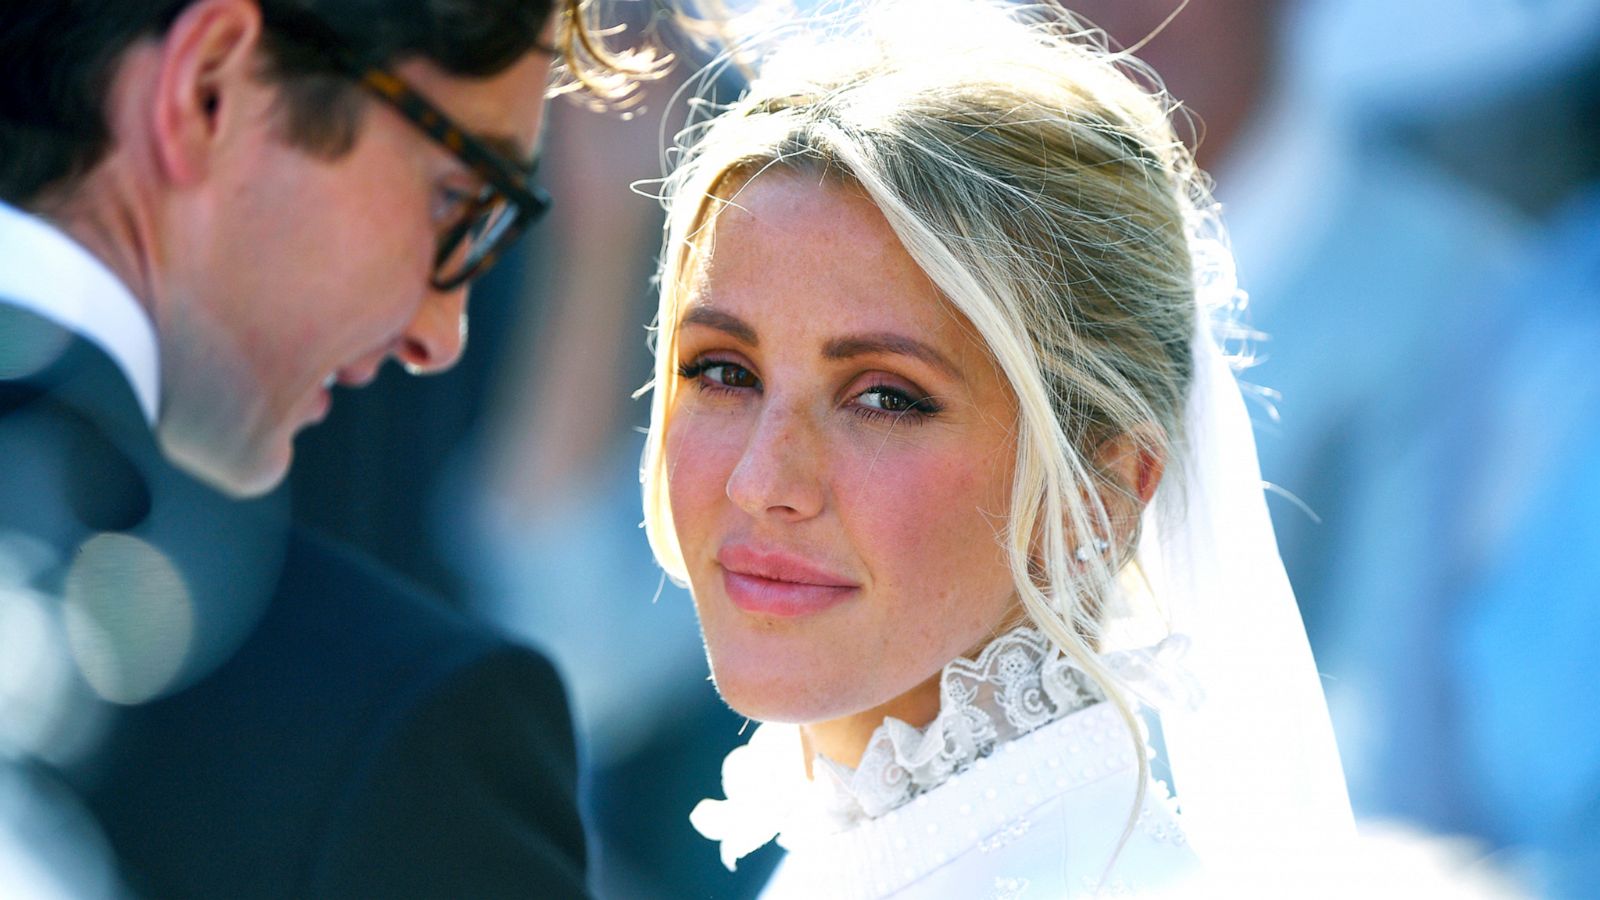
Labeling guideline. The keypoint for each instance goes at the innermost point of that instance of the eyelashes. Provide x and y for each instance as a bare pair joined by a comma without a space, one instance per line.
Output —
895,404
715,374
877,402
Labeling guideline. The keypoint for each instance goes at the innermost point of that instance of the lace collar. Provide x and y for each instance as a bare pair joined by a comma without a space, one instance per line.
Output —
1020,682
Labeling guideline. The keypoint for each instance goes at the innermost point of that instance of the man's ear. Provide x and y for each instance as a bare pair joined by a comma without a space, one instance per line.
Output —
206,70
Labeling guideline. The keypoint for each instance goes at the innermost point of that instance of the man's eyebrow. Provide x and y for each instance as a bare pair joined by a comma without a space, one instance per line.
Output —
888,342
721,321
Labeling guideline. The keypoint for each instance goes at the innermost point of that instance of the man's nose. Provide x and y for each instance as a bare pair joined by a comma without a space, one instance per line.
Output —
780,471
435,339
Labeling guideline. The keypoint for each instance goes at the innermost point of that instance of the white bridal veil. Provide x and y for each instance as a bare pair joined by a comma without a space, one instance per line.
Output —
1254,763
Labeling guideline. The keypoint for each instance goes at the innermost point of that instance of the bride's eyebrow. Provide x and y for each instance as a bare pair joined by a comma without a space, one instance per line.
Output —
727,323
890,343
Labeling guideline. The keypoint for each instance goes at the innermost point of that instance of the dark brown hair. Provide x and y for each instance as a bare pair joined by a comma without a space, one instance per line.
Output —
57,61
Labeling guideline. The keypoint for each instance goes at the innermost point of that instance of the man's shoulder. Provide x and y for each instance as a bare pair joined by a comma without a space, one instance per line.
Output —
336,609
323,744
343,628
477,732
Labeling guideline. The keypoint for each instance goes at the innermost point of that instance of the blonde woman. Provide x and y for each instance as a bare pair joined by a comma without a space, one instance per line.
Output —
943,443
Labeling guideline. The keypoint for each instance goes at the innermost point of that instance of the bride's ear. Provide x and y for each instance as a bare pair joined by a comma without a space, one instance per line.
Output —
1130,465
1128,469
1134,462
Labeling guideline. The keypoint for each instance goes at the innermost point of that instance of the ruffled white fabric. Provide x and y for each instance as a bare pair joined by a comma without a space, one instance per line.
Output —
1020,682
1043,816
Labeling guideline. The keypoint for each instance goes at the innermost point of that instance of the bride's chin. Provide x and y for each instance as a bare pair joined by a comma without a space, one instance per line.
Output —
770,700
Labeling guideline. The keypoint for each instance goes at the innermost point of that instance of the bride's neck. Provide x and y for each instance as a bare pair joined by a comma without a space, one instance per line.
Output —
844,740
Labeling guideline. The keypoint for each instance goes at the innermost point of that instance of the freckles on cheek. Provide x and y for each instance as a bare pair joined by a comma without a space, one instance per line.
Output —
930,527
910,503
697,471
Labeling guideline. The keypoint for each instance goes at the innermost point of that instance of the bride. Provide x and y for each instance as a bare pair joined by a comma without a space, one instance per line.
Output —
946,445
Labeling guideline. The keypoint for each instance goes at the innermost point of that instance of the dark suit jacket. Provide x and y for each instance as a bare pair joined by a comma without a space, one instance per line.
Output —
323,730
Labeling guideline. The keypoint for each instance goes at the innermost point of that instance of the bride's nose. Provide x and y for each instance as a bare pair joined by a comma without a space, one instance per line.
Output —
780,471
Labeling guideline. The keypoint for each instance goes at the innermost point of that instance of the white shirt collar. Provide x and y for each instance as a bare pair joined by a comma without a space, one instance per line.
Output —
48,273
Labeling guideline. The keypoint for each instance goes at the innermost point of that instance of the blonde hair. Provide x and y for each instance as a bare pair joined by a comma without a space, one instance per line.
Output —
1036,177
588,67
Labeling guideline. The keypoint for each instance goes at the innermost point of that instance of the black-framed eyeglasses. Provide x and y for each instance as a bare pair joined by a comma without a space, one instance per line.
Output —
486,224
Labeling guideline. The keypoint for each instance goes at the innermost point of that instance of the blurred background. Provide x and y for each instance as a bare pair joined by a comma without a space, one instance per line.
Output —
1413,191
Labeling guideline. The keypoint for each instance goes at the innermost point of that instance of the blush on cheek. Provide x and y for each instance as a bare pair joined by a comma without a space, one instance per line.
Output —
701,454
933,533
907,500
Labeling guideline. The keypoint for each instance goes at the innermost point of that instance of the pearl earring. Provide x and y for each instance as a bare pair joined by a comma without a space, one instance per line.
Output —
1100,547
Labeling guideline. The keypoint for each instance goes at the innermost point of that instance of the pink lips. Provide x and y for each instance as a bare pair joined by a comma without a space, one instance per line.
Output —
775,583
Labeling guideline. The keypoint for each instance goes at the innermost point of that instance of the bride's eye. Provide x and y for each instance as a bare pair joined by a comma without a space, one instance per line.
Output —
714,374
896,404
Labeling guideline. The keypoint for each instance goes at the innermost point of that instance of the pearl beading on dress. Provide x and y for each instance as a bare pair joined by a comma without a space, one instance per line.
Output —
1020,729
969,813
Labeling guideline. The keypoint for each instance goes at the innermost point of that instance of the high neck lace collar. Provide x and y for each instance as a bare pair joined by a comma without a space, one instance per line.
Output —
1019,682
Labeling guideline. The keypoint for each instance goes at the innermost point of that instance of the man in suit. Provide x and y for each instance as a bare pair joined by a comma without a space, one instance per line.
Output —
211,211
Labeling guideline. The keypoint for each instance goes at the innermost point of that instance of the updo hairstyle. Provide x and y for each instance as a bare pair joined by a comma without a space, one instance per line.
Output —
1036,177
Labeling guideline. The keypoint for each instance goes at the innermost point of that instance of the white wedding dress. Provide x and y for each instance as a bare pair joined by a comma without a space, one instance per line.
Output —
1022,787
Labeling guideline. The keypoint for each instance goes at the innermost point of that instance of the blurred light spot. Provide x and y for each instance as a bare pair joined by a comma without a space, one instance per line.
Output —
28,345
23,557
35,673
129,617
50,847
46,711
